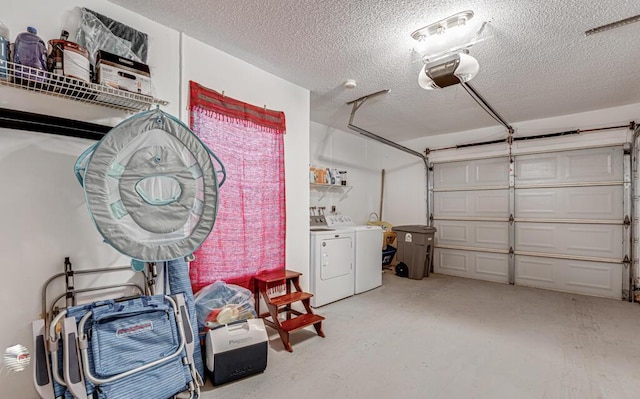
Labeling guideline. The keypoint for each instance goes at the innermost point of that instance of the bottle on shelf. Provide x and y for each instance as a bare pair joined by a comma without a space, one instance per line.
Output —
337,177
30,57
69,59
312,174
330,176
56,54
343,177
4,51
321,176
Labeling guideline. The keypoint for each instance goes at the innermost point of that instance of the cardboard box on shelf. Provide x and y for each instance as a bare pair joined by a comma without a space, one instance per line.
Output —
122,73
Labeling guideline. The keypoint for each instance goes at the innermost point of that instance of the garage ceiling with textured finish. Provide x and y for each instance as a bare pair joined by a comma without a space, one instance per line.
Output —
537,62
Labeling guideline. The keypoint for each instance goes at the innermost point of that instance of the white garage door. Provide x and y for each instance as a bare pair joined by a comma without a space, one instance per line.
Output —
561,226
569,218
471,215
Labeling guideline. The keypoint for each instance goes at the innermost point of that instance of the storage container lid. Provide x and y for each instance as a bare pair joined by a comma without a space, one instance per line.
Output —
415,228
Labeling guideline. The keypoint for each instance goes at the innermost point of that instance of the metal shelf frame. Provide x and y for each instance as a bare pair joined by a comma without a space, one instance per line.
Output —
325,189
39,81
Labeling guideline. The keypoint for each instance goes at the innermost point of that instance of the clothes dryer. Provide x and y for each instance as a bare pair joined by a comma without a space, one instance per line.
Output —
331,264
368,252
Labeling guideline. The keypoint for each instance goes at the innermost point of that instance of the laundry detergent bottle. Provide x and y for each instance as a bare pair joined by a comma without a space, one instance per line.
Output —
30,51
4,51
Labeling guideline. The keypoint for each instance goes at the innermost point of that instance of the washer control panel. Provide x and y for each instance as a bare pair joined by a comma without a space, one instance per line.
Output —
334,221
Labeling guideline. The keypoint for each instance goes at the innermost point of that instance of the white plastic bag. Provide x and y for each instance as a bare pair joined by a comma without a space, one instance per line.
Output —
94,35
221,303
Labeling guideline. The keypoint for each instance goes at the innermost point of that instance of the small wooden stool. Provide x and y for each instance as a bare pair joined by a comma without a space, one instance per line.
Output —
282,304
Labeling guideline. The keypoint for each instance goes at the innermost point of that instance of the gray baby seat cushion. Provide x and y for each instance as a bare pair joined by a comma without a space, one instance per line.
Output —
151,187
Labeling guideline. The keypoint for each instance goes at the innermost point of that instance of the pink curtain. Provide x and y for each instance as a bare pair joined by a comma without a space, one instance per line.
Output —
249,233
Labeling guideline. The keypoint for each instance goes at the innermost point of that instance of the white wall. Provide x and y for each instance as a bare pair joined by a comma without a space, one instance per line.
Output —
405,179
44,217
405,189
221,72
361,158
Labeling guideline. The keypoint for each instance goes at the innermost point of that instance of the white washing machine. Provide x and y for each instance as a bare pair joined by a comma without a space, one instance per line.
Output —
331,263
368,252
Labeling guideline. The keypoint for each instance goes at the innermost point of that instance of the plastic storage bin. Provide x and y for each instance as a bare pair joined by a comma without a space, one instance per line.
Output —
415,248
387,255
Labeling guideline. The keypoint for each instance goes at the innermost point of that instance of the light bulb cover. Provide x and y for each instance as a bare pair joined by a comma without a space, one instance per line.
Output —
441,27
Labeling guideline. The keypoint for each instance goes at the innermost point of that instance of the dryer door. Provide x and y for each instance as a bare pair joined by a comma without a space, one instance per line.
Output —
336,254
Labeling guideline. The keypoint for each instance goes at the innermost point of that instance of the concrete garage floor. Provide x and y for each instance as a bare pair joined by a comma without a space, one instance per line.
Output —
448,337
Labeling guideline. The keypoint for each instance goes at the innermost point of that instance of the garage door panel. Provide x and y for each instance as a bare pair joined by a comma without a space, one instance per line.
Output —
599,240
478,265
451,204
599,167
602,241
535,237
494,235
582,277
580,166
491,265
536,170
477,173
457,263
452,233
536,272
590,275
492,203
538,202
491,172
600,202
489,203
449,175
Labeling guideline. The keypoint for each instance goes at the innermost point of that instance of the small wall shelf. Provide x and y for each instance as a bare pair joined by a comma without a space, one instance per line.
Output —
43,82
325,189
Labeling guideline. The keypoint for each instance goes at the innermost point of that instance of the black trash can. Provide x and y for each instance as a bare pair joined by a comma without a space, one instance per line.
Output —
415,248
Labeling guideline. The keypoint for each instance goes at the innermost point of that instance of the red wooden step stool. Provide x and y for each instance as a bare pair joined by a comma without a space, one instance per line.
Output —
294,320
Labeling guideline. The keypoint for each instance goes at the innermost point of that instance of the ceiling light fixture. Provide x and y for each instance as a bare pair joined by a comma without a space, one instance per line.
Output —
448,71
441,27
